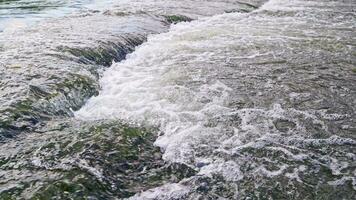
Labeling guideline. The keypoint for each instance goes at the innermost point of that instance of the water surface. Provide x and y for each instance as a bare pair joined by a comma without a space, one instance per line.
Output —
178,99
25,12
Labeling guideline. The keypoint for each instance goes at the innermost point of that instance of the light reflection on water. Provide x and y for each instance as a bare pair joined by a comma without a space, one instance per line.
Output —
25,12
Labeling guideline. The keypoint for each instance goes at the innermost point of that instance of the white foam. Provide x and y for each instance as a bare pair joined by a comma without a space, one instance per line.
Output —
174,82
270,173
230,170
168,191
154,87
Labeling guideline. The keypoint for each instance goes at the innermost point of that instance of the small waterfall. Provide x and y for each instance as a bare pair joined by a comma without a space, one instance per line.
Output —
180,99
234,97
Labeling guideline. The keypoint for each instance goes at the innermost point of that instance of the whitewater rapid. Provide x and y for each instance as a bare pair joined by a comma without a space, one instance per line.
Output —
229,84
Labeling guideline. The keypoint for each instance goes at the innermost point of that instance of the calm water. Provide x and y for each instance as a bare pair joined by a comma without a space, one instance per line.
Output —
26,12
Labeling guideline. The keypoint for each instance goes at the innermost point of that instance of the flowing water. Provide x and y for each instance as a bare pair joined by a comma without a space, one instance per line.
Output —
204,100
15,13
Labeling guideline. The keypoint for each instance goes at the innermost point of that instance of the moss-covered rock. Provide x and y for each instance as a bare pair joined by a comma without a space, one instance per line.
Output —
173,19
105,53
46,102
88,160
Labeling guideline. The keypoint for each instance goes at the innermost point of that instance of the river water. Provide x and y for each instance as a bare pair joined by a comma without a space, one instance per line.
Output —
26,12
181,100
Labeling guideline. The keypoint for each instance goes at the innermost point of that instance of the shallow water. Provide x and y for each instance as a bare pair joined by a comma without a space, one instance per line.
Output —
235,83
160,100
27,12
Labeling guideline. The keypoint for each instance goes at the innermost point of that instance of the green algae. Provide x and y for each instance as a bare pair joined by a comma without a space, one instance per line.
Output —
76,184
92,160
42,104
62,94
173,19
104,54
19,117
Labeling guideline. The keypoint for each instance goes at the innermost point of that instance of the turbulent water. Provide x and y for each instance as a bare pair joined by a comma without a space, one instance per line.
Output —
204,100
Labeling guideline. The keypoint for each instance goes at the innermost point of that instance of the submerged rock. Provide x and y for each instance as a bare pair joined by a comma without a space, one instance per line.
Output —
177,18
85,160
37,61
262,103
256,105
50,70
